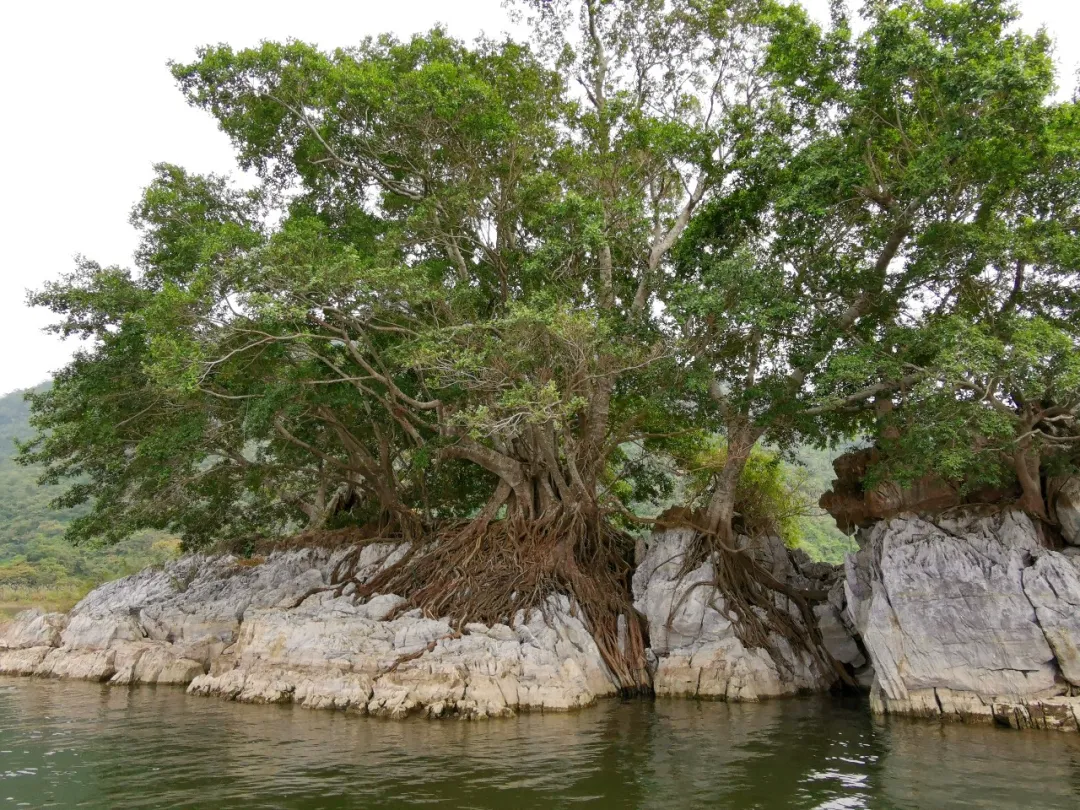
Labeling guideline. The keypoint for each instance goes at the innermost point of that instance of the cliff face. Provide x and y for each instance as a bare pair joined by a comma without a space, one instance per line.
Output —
963,611
968,617
268,632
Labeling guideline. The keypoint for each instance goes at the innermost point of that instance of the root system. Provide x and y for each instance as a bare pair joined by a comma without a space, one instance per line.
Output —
487,571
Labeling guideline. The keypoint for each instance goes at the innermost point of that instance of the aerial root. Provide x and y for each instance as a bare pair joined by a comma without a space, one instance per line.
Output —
762,603
495,571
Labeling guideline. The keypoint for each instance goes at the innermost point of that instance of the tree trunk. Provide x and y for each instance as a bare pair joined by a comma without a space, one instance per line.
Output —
721,510
1027,463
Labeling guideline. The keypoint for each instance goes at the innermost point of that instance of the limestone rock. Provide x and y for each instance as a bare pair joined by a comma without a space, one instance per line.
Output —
837,638
348,656
693,636
34,628
273,632
1066,504
154,663
23,661
1061,713
968,617
83,665
1053,586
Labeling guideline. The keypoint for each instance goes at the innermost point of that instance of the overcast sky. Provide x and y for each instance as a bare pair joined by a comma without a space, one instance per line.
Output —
90,107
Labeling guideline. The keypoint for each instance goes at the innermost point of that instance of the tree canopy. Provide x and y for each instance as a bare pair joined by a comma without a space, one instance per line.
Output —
491,298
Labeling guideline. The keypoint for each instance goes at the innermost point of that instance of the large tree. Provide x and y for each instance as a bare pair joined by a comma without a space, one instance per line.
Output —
934,194
445,308
484,295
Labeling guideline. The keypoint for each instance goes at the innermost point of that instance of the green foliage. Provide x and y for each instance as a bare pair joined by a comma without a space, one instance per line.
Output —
37,566
765,498
914,248
811,472
474,276
774,495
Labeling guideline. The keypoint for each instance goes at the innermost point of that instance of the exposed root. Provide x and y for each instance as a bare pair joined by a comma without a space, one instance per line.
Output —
762,603
487,571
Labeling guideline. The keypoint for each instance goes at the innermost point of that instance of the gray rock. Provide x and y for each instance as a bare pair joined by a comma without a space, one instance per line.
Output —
837,638
258,633
1053,586
968,617
273,631
1067,509
693,636
34,628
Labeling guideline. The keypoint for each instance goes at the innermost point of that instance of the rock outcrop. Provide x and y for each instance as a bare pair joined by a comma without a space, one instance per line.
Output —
693,638
855,506
257,633
964,616
967,617
1064,497
271,631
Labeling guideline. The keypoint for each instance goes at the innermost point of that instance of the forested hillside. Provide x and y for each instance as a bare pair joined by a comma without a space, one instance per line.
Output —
36,564
817,530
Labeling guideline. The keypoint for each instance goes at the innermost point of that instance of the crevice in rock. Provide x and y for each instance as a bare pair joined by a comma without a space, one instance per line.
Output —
1059,675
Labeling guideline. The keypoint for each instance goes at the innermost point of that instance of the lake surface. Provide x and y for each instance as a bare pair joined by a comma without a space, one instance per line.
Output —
69,744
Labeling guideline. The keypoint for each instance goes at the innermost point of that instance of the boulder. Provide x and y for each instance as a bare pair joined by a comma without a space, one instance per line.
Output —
968,617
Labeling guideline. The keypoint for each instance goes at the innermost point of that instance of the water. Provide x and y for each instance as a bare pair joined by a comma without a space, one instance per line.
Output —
68,744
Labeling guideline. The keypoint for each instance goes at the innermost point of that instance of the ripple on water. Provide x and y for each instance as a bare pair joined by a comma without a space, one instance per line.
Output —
65,744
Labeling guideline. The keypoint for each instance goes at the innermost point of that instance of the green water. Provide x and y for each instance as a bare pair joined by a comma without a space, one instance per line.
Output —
65,744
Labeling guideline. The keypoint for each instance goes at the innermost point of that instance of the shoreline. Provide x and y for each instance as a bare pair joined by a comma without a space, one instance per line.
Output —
965,619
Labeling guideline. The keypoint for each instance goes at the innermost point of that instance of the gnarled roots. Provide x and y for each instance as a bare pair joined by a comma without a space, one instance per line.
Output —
761,604
486,571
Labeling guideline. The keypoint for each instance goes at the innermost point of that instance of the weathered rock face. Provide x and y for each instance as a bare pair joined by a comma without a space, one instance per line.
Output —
224,627
1065,502
968,617
854,507
272,632
697,651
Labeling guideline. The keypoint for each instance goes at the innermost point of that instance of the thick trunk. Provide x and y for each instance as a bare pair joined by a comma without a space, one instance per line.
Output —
546,472
721,509
1026,463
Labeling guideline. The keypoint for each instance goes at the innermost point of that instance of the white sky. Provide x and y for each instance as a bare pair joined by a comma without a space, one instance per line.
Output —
90,107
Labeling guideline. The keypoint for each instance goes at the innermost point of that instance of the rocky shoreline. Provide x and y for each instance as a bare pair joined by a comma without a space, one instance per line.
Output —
969,618
964,617
265,631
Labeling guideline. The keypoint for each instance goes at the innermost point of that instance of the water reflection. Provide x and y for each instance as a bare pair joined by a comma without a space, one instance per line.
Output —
66,744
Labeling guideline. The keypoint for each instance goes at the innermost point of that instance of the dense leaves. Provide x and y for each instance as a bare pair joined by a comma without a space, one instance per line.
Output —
534,282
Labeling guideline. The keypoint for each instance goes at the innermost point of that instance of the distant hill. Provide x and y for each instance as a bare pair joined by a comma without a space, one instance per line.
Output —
36,565
820,537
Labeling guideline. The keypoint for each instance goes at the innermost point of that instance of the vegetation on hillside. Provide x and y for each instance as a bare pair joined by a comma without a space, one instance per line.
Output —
500,298
38,566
